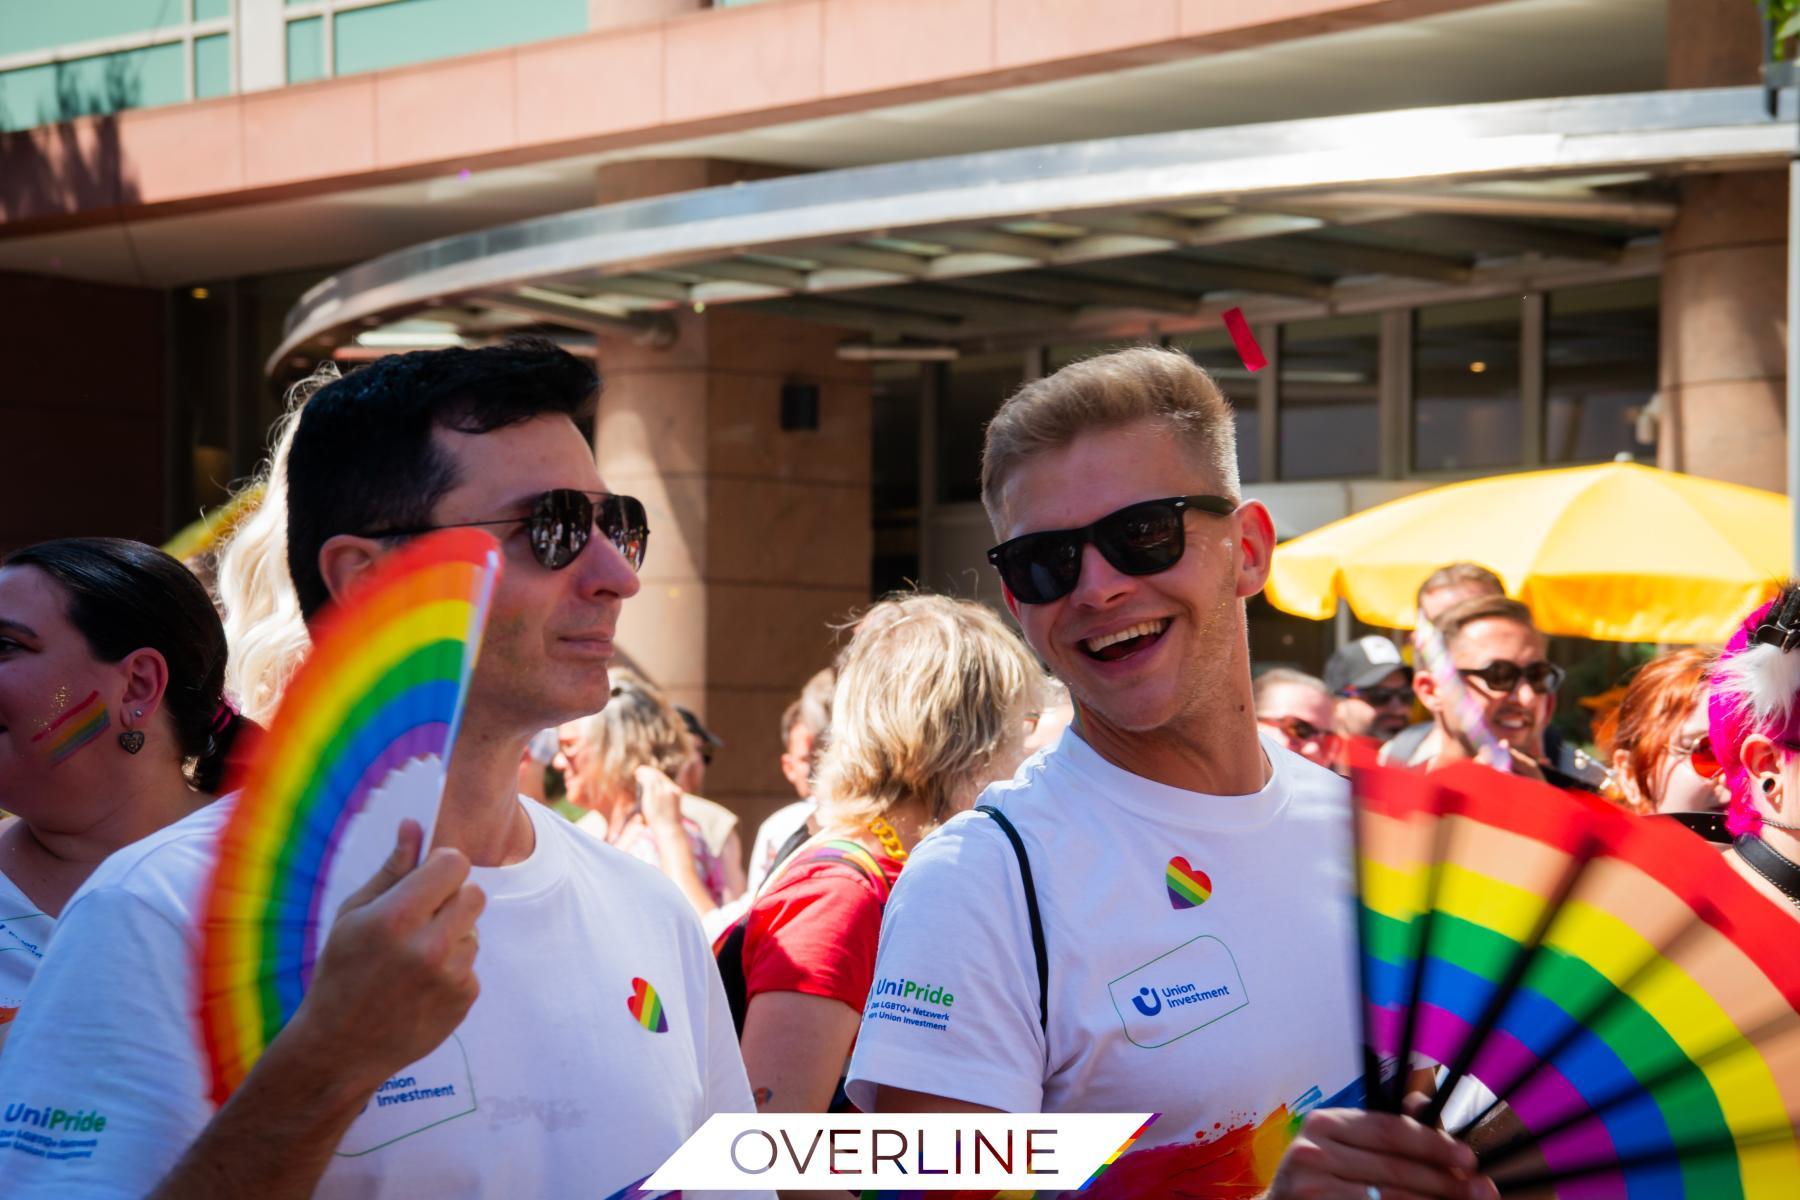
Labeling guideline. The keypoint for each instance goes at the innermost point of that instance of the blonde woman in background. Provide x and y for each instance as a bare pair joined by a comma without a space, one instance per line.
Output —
619,764
932,704
263,625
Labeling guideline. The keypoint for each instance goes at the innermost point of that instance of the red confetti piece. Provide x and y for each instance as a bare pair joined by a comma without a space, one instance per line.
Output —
1244,340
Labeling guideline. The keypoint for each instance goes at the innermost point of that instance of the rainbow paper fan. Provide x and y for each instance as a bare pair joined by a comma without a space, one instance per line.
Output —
1631,1004
359,744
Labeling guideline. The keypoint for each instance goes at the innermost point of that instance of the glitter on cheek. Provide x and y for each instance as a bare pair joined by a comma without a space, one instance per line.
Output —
59,704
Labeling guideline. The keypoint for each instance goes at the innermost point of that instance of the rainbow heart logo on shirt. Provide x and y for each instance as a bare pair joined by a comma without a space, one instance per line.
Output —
1189,887
646,1007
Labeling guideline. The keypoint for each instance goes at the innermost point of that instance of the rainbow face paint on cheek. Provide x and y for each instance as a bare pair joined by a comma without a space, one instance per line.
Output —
75,728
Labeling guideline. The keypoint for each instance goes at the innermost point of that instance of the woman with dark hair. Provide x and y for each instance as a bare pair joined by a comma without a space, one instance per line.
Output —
112,722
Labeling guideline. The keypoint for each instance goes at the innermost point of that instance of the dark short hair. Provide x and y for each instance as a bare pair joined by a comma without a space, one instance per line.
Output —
1464,613
363,459
1463,574
124,596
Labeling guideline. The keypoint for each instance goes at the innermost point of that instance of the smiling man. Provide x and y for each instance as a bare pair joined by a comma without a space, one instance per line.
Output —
476,1025
1499,654
1192,876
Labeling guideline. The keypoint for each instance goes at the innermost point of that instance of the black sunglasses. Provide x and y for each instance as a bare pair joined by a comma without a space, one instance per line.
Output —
1297,729
1139,539
1502,677
1381,697
562,520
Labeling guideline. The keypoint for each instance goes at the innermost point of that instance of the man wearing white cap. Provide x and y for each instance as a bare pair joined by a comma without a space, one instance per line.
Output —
1373,688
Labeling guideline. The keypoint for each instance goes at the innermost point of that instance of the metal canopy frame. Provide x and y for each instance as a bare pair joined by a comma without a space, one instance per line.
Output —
1329,214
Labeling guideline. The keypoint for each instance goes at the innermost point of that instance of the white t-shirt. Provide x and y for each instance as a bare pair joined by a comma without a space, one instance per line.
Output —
774,832
550,1087
1231,1016
24,931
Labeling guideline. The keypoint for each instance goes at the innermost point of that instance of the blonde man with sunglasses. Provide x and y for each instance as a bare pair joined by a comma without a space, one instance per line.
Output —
1189,877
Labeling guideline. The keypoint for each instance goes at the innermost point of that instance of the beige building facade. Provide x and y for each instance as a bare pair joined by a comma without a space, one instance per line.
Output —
812,244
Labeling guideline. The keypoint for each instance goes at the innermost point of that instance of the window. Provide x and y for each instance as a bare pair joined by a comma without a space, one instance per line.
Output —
895,395
1467,411
1329,406
306,50
212,66
1600,361
1215,353
974,387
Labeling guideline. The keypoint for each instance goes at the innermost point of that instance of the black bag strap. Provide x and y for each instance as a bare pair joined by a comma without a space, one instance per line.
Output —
728,951
1038,949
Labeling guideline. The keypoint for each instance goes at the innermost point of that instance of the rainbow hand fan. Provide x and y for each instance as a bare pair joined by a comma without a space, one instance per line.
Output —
1618,989
360,743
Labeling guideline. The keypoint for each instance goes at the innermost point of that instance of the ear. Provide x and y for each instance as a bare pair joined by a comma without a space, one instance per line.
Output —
1760,758
1255,547
343,560
146,679
1626,779
1425,687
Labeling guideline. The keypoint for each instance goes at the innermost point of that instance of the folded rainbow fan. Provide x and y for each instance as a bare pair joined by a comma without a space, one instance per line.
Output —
1615,1012
360,743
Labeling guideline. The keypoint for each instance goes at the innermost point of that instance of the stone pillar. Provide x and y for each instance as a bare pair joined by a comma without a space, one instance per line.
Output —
760,538
1724,285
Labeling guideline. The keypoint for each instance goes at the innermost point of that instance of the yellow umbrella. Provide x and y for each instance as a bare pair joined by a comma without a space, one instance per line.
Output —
1619,552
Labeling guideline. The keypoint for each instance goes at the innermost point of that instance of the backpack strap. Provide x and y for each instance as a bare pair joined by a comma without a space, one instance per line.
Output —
729,949
850,854
1031,911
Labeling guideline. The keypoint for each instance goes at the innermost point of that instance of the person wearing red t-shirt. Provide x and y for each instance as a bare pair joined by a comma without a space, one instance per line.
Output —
932,704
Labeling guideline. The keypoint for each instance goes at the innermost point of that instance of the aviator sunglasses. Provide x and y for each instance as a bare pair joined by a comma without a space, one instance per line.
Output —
1139,539
562,520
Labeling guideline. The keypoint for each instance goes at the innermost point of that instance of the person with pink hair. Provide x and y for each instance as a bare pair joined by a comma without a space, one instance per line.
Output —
1754,727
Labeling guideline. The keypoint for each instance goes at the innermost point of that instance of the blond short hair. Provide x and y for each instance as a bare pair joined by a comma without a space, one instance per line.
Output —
925,701
1453,621
1106,392
637,728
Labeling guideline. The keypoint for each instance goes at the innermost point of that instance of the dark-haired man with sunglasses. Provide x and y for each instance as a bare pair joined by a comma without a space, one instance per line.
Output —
1188,877
402,1073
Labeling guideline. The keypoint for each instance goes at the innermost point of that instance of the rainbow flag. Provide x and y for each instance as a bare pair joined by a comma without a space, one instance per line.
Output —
375,708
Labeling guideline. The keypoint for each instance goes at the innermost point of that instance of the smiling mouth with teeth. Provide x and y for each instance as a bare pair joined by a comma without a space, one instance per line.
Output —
1113,646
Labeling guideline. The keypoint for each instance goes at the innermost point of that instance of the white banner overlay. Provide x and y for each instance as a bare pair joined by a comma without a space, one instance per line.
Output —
914,1152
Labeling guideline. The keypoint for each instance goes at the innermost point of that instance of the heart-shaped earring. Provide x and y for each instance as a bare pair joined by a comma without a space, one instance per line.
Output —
132,740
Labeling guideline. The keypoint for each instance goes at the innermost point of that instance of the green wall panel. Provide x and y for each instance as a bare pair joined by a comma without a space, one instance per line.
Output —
410,31
105,83
212,66
306,50
206,10
27,25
